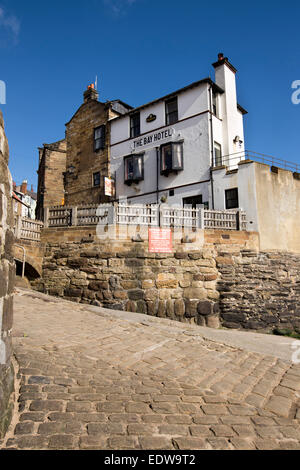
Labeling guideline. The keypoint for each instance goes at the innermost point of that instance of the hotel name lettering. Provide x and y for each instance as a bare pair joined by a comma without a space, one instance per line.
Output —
153,138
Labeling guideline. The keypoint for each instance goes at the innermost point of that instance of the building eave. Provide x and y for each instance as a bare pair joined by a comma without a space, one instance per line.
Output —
208,81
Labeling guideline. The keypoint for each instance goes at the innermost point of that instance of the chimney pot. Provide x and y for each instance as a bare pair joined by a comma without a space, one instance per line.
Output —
220,56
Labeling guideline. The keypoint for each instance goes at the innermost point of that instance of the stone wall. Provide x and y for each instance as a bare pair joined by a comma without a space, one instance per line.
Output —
220,276
259,291
123,275
7,274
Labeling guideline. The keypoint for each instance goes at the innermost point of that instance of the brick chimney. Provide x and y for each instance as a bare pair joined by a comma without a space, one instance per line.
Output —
91,94
24,187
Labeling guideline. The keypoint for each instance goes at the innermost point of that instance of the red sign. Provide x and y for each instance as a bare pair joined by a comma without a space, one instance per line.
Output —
160,240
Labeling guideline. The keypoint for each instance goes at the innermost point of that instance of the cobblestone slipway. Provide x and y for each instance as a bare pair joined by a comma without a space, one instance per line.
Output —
89,379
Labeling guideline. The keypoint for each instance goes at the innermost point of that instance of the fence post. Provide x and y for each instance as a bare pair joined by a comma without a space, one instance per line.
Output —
111,214
201,216
19,227
74,217
239,220
46,217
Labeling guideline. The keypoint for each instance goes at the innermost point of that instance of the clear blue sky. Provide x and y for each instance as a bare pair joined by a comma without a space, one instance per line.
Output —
141,50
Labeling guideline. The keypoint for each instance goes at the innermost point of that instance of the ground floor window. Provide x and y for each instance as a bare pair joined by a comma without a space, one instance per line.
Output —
232,198
193,201
96,179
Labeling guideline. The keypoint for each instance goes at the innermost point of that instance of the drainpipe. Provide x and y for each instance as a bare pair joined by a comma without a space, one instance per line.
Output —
212,148
157,174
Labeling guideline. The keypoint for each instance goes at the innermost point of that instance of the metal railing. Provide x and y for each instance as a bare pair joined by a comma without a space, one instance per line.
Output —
146,215
231,161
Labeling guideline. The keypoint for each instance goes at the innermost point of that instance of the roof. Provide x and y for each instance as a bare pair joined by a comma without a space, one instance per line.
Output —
243,110
209,81
18,199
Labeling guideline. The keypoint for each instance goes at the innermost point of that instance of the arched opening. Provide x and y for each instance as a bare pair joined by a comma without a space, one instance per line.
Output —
30,272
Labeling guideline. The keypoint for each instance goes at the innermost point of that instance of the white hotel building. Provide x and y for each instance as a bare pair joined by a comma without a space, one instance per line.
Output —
172,146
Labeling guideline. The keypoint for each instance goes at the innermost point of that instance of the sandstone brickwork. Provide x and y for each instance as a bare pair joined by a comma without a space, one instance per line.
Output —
7,274
82,158
219,278
260,290
125,276
52,166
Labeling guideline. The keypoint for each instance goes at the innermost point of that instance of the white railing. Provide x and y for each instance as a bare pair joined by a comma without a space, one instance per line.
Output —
28,229
146,215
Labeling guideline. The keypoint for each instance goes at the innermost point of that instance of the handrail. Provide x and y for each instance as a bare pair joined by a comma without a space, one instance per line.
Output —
260,157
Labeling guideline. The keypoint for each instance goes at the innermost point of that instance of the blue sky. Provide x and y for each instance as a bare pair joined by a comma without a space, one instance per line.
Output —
141,50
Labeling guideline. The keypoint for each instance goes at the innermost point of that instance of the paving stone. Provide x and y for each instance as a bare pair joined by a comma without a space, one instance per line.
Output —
155,443
62,441
190,443
24,428
280,406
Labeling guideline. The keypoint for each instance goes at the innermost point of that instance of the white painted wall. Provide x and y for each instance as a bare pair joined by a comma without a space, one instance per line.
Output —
194,128
231,117
244,179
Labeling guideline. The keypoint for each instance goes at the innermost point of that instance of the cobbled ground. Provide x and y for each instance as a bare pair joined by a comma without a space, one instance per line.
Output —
90,380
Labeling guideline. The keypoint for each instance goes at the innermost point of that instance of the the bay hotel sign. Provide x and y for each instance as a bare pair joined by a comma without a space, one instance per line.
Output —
153,138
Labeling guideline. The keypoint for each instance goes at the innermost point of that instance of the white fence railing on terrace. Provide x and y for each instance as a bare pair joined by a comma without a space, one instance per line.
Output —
146,215
28,229
231,161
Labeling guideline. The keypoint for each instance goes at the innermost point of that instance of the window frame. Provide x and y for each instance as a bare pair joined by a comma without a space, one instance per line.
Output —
132,128
221,154
167,103
97,185
227,191
134,157
215,104
102,139
173,169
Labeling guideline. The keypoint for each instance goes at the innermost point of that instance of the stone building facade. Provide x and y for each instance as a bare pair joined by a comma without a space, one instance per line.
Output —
73,171
7,274
52,165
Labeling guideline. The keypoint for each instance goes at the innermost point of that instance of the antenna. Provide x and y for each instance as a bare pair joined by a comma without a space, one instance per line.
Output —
96,83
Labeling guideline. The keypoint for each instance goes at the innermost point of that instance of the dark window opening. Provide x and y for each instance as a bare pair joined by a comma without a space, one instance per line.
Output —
171,158
135,125
134,168
99,138
96,179
218,154
232,198
215,104
193,201
171,111
172,192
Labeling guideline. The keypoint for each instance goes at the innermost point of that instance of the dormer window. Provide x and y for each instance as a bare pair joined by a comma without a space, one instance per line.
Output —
171,158
134,169
172,111
99,138
135,125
